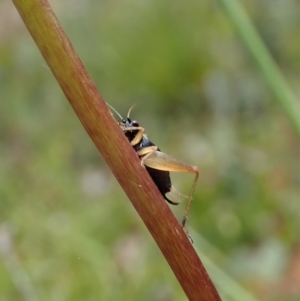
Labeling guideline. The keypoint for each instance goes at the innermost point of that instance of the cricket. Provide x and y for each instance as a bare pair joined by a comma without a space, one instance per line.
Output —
158,164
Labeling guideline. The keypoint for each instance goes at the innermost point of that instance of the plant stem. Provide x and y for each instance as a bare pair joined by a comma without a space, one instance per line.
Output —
115,149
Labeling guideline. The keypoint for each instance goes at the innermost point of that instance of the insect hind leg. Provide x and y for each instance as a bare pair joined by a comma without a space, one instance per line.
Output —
162,161
187,208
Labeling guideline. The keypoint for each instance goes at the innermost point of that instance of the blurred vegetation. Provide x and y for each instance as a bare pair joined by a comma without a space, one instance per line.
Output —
67,231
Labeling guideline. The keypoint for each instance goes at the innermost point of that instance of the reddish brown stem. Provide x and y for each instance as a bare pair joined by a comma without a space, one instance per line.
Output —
115,149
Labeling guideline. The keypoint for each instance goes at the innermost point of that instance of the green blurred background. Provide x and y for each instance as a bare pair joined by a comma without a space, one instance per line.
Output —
68,231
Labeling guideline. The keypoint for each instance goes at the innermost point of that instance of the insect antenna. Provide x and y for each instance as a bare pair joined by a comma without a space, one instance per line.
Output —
119,115
130,110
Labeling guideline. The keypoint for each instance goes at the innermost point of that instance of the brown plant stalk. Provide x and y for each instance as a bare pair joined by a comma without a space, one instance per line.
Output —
115,149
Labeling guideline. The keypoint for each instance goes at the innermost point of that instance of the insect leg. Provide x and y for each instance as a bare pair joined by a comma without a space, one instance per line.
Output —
162,161
138,137
145,153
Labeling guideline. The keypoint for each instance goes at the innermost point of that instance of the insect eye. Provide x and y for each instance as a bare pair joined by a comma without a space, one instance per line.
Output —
135,123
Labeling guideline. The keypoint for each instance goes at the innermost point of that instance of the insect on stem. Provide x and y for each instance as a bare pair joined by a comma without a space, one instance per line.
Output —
158,164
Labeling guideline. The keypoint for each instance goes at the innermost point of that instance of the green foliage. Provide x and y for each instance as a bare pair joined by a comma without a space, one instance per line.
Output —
67,231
